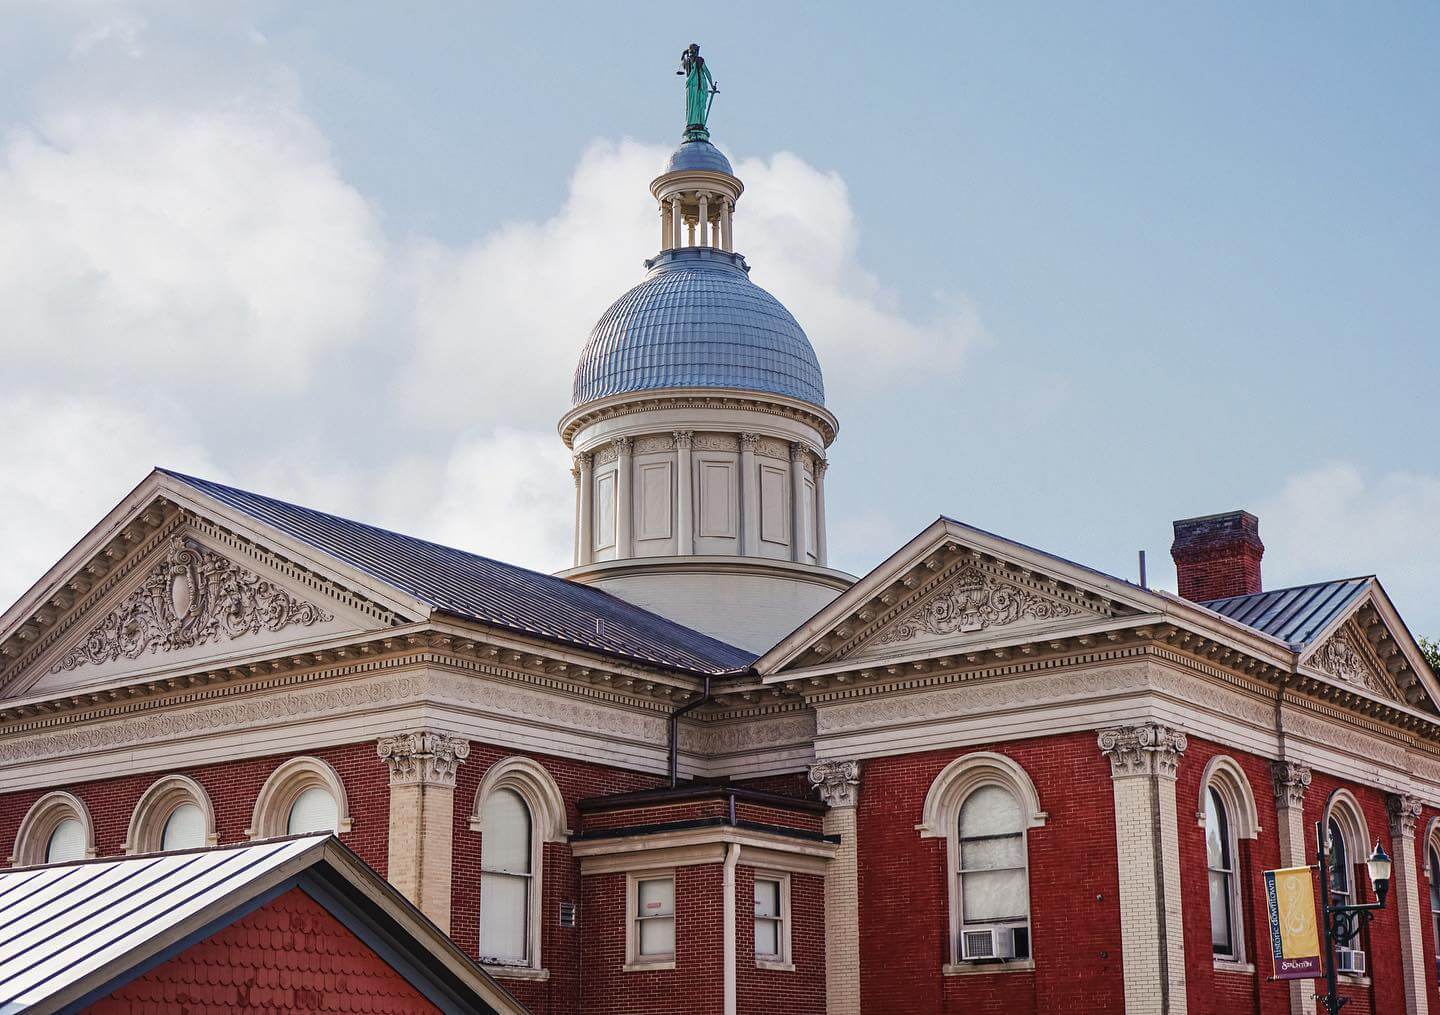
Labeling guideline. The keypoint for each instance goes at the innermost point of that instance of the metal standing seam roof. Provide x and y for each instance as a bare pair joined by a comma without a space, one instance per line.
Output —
1294,615
697,321
490,591
61,923
698,155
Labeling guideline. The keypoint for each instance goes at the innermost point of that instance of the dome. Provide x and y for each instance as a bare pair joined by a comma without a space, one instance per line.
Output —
697,321
698,155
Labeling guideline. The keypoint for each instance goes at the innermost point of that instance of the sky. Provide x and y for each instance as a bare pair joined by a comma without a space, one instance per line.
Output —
1072,271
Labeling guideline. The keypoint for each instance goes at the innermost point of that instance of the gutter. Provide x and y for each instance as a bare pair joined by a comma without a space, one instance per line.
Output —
675,731
732,859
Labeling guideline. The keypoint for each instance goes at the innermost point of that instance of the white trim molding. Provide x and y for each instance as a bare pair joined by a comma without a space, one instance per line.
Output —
966,774
45,815
147,821
634,961
272,805
1229,779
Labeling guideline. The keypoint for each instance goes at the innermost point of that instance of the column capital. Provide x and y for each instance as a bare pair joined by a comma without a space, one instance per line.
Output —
422,757
1291,780
1148,749
683,438
837,781
748,441
1404,813
621,445
821,464
797,452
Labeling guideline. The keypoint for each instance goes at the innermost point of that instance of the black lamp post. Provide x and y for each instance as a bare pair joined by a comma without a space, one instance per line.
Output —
1342,923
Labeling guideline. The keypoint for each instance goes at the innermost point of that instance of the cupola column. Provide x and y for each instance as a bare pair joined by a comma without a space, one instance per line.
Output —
665,229
797,503
676,222
704,218
727,242
624,501
749,497
685,511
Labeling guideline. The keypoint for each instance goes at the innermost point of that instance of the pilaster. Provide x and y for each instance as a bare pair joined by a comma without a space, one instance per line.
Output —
1405,887
624,500
1143,763
797,503
749,497
585,550
822,553
422,811
1291,780
684,493
838,783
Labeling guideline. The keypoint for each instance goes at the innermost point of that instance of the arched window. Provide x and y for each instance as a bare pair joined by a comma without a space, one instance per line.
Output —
1220,859
985,804
56,829
174,813
505,879
1433,862
1227,814
518,808
1349,839
302,795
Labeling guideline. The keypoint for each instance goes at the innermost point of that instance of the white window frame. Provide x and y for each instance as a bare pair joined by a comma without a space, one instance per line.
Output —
32,840
784,961
1224,775
1432,875
941,818
634,961
538,789
1349,819
157,804
271,817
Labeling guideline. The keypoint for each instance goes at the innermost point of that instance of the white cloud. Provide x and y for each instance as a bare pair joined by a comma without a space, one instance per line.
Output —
183,243
1338,520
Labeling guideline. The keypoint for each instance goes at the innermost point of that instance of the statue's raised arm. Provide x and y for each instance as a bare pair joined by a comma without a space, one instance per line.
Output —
700,91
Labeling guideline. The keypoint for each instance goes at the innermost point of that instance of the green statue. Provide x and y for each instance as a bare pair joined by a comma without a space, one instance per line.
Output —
700,92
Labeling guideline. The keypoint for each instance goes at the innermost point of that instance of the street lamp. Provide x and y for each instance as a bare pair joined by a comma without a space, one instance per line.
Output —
1343,922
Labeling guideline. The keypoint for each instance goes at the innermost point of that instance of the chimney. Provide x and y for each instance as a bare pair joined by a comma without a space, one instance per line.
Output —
1218,555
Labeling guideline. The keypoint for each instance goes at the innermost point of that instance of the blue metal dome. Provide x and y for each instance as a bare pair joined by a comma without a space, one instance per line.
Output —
697,321
699,155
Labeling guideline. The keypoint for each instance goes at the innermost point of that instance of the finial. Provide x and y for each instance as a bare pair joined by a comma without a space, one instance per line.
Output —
700,92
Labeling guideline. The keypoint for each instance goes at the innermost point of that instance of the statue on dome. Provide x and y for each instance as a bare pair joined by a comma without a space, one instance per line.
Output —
700,92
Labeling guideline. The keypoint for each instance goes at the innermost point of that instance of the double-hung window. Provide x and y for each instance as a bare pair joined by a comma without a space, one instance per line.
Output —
506,871
652,919
992,878
1220,859
772,920
1434,862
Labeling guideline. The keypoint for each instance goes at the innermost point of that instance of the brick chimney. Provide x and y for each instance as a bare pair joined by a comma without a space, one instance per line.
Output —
1218,555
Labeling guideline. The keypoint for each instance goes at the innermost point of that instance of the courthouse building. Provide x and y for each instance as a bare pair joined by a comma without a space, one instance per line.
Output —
704,771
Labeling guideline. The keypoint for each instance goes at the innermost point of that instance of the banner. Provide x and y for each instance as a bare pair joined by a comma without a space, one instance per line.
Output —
1294,938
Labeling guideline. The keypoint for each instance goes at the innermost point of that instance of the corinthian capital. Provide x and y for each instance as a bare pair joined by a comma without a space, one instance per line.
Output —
1404,813
683,438
1291,779
422,757
1148,749
837,781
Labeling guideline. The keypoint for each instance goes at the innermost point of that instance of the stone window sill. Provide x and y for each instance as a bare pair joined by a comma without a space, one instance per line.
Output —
1353,981
775,965
1231,966
987,968
503,972
648,967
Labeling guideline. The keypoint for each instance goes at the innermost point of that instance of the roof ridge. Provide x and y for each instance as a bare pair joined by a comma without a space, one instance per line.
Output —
1288,588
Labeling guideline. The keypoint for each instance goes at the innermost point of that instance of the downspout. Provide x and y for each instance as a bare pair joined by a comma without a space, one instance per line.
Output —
732,858
675,731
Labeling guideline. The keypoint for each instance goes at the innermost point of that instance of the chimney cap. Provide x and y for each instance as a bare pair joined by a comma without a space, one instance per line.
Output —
1210,532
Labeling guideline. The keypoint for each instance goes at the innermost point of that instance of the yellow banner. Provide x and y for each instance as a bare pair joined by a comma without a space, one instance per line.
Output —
1294,936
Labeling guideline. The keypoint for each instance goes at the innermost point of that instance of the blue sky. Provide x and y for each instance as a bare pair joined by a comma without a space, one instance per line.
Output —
1115,264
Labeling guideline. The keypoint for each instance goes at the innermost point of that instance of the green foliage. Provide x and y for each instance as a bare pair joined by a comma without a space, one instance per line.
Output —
1431,648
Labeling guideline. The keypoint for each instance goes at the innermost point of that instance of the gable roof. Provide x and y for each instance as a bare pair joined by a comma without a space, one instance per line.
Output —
1295,615
71,933
490,591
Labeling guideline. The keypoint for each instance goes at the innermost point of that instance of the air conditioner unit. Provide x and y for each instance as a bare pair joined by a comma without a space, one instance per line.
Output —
1350,961
992,943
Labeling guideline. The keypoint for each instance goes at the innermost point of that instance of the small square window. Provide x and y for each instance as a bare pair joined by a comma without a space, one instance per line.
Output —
772,919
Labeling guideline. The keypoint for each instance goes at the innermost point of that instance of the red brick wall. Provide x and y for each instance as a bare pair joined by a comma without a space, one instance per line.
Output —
559,947
289,955
797,992
695,986
1427,935
232,787
1074,907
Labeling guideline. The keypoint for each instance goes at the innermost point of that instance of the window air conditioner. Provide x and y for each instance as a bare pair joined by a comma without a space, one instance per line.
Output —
990,943
1350,961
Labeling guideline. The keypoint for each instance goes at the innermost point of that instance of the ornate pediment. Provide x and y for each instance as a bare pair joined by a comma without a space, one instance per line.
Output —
1346,657
191,598
978,599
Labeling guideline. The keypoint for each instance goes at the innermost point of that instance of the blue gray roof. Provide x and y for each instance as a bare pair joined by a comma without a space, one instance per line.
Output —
697,321
502,595
1294,615
699,155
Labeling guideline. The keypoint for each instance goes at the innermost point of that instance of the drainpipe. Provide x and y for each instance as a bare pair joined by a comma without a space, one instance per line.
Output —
675,731
732,858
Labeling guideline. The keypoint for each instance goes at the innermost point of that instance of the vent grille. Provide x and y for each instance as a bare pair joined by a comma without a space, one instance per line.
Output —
567,914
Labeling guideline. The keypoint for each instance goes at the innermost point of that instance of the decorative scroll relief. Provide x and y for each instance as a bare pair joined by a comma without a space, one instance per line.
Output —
1147,749
1340,658
193,597
972,601
422,757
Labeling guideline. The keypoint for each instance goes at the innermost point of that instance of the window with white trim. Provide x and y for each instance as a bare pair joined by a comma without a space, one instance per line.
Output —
651,911
991,881
314,810
173,813
1348,840
184,828
1220,851
56,829
505,879
304,795
1433,860
66,842
772,919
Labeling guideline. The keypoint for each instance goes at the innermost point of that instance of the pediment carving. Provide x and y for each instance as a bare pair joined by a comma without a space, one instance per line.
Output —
1343,657
193,597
